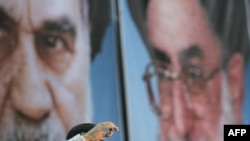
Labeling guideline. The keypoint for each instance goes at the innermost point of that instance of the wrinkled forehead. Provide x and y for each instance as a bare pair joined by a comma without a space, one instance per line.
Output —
38,11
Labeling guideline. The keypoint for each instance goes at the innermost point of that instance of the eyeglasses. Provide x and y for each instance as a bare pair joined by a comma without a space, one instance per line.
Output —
159,78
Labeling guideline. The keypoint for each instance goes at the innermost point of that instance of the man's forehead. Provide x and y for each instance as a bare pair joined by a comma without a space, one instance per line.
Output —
38,11
176,22
174,33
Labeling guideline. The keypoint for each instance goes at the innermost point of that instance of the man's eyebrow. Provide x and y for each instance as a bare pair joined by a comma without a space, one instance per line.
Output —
60,25
193,51
160,55
6,22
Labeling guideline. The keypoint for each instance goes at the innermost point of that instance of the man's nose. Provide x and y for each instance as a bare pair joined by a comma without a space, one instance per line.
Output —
182,117
29,94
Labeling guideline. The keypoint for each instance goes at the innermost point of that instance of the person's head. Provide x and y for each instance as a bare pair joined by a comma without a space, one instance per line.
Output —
44,59
198,93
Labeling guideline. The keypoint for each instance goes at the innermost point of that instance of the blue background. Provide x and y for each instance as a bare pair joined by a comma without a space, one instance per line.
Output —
105,83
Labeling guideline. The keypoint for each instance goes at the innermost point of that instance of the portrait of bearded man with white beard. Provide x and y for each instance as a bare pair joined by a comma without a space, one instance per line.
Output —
197,66
45,58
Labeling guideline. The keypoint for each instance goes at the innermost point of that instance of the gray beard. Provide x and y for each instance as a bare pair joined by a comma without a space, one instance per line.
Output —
226,104
14,127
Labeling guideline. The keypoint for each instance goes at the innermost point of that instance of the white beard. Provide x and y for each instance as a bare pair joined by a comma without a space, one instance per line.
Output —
226,104
14,127
226,101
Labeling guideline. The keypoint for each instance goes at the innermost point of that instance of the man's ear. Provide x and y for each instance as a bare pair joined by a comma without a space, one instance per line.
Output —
235,71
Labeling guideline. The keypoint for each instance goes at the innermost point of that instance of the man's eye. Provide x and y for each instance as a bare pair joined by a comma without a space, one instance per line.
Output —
54,48
194,74
51,41
160,76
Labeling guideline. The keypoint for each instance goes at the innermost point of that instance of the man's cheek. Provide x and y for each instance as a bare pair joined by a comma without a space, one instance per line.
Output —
7,72
214,92
164,129
3,96
200,104
205,130
59,62
65,102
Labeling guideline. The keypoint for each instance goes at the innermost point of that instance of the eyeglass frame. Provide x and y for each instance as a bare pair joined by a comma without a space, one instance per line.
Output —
174,76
